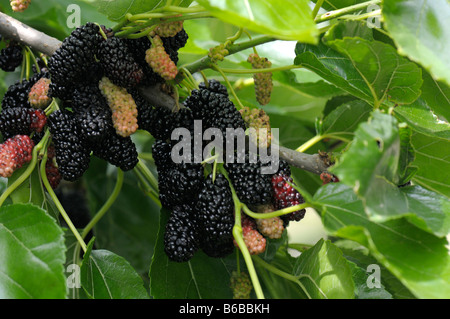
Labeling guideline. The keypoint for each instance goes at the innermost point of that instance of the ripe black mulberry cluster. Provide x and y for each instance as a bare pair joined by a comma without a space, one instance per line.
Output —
94,77
188,185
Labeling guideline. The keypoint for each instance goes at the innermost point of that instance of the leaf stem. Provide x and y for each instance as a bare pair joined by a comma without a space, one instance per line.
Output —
340,12
237,235
317,8
280,273
106,205
147,174
218,69
275,213
205,62
302,148
262,70
59,205
152,22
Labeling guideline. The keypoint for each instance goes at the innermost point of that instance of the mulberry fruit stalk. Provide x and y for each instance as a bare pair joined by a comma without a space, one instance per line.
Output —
122,105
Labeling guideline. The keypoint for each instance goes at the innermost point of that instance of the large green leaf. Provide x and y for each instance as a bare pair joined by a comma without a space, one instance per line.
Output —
105,275
371,167
374,152
269,17
437,95
419,116
323,266
420,30
370,70
432,160
32,254
202,277
344,119
417,258
130,226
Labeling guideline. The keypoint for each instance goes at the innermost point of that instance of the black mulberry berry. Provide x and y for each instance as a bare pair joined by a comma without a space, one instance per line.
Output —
180,184
252,186
74,61
181,237
15,121
117,150
118,64
11,57
214,109
215,214
71,153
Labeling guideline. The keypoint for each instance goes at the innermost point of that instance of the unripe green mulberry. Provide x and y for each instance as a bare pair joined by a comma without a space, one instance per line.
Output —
169,29
218,53
19,5
263,81
241,285
122,105
257,119
160,61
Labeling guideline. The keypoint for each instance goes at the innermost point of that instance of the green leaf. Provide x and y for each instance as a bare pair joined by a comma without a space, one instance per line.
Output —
406,168
319,89
323,266
32,254
370,70
433,163
130,226
349,29
417,258
116,10
419,116
362,289
30,191
431,211
202,277
344,119
437,95
420,31
371,167
105,275
373,153
268,17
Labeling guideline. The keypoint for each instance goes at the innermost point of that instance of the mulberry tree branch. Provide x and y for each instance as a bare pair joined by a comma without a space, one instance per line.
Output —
13,29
